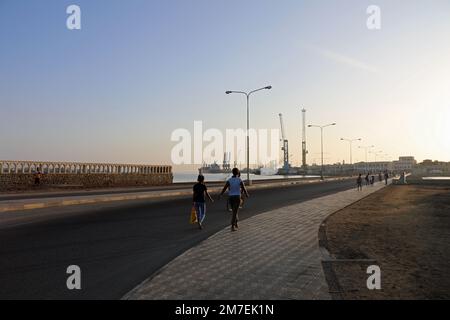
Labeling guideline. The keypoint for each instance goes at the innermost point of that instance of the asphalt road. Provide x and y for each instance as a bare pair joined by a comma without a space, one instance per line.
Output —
50,193
116,246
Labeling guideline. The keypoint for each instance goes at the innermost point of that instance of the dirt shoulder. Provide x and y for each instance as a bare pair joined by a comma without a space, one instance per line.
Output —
405,230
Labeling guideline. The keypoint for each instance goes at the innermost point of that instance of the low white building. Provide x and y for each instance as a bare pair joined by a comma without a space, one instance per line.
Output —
405,164
373,167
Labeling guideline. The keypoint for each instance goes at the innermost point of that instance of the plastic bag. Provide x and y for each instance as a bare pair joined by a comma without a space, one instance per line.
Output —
193,215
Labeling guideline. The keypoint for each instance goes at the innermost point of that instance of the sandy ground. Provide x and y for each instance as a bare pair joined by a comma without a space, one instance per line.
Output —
406,231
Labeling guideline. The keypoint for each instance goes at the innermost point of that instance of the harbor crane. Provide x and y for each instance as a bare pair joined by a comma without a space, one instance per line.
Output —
285,147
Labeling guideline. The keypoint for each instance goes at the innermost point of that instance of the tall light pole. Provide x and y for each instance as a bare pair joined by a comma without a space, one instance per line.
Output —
365,149
248,94
321,143
350,141
376,153
304,151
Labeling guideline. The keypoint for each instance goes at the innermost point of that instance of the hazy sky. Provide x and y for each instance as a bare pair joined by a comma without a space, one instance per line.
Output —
116,89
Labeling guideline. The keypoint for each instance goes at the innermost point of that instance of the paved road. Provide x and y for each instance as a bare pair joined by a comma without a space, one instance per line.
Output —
116,246
50,193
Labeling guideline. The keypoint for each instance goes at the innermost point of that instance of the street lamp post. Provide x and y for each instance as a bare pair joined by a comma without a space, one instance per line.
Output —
365,149
321,143
376,153
248,94
351,142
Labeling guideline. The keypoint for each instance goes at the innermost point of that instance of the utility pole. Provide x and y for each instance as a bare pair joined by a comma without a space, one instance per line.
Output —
304,151
321,143
248,94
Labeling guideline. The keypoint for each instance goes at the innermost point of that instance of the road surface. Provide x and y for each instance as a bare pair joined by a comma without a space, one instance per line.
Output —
117,246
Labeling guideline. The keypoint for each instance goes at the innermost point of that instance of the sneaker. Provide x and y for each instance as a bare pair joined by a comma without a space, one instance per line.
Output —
233,229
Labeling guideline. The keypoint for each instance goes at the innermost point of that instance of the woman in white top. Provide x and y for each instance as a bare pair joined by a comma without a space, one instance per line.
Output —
235,187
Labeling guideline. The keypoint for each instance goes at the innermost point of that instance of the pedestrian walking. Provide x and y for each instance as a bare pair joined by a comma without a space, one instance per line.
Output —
372,180
386,177
359,182
367,180
235,187
199,192
37,177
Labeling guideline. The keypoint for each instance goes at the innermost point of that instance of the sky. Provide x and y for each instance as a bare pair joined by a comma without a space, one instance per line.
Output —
137,70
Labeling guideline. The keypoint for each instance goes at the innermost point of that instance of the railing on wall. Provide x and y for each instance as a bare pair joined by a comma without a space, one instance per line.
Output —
27,167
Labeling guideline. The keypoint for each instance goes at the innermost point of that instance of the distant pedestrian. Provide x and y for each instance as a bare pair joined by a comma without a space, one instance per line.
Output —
200,190
367,180
37,177
386,177
359,182
235,187
380,178
372,180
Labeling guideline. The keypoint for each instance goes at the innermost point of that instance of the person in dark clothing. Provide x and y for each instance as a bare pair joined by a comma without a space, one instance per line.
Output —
359,182
380,178
367,180
372,180
199,192
386,177
37,177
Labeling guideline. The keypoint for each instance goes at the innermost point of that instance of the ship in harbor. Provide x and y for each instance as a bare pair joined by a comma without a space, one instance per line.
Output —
267,170
215,167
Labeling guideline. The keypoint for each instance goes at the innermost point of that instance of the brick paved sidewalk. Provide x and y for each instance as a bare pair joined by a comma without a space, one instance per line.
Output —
274,255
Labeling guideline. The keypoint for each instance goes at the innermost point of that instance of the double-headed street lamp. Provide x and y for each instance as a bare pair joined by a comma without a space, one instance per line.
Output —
351,142
365,149
321,143
248,94
376,153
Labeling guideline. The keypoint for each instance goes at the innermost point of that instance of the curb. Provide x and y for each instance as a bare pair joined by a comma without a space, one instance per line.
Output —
83,200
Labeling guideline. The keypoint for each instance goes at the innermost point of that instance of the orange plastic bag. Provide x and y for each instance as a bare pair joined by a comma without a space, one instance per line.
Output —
193,215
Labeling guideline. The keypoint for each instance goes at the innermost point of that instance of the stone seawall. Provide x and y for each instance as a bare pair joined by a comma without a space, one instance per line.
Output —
14,181
20,175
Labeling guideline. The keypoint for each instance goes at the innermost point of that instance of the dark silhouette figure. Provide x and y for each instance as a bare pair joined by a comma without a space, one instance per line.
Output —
198,199
37,177
359,182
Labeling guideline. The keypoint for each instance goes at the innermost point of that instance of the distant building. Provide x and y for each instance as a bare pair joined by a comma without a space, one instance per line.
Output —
432,167
374,167
404,164
407,163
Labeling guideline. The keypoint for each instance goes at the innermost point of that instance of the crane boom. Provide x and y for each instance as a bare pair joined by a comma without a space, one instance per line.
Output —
283,136
285,147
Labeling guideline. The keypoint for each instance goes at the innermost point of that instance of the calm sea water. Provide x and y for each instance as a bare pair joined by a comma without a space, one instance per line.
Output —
179,177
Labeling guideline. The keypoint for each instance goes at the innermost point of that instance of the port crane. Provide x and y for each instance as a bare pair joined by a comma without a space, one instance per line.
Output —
285,147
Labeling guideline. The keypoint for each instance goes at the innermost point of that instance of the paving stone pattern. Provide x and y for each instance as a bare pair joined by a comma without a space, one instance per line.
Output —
274,255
